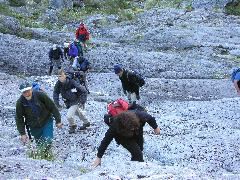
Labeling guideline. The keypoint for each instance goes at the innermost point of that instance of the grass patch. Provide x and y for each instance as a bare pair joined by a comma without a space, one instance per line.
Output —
125,9
167,4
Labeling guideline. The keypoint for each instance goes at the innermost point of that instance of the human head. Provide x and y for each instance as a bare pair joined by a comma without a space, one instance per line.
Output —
129,123
54,47
26,90
62,76
118,69
66,44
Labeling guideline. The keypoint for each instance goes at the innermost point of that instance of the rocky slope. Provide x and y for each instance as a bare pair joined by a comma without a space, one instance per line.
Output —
186,58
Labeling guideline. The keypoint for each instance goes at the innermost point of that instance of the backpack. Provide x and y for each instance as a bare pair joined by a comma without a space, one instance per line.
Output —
138,79
235,71
116,107
73,50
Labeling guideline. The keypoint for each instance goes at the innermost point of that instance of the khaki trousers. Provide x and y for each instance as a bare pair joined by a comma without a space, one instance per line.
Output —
76,110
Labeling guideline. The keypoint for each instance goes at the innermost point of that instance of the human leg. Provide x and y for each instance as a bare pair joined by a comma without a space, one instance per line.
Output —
135,150
81,115
70,117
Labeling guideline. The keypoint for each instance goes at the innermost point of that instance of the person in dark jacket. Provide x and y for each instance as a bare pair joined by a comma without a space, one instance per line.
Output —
36,110
127,129
81,64
74,96
129,83
55,56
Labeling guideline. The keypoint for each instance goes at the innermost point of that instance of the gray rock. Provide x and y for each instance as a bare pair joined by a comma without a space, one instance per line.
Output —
206,4
60,4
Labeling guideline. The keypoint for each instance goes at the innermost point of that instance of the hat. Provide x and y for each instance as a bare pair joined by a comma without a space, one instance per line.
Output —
25,86
54,47
66,44
117,68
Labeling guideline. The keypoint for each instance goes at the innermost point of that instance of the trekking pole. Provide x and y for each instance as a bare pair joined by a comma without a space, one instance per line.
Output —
28,132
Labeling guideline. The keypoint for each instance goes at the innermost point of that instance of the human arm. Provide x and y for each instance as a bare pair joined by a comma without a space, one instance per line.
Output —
56,93
19,118
51,106
235,82
109,135
75,63
145,117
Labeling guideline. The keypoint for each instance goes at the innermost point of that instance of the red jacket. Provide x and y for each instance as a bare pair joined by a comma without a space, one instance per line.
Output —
82,30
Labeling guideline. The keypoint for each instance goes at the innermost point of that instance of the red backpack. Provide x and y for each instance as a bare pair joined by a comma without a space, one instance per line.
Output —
116,107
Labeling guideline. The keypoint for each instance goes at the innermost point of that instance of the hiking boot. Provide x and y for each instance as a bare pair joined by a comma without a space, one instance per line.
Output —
72,129
84,126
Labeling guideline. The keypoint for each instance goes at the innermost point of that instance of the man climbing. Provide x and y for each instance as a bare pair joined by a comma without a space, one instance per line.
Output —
55,57
131,83
127,129
82,34
74,96
36,110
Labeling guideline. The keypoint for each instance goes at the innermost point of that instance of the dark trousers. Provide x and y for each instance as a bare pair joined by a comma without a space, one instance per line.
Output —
135,149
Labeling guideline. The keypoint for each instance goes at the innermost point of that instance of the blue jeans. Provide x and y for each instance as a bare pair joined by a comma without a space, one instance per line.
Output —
43,135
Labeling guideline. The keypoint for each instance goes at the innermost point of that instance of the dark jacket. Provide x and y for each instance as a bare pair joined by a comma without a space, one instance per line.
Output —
129,83
55,54
120,138
72,93
45,106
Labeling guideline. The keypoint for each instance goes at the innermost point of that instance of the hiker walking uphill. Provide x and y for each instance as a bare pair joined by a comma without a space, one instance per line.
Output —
74,96
127,129
36,110
55,57
81,64
131,83
236,79
82,34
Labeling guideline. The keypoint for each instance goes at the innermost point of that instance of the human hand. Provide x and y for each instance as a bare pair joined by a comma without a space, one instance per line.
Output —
59,125
157,130
24,138
96,162
125,92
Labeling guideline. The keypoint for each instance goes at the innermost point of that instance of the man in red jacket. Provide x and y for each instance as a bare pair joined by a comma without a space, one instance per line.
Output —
82,34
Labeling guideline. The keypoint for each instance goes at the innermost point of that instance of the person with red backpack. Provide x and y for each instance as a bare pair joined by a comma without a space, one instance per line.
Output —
118,106
82,34
127,130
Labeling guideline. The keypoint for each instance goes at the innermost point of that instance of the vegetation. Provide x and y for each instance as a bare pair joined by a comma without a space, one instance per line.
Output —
164,4
17,2
233,8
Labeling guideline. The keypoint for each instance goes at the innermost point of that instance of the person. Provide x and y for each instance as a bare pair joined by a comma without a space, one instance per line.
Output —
81,64
79,47
82,34
236,79
66,50
129,84
55,56
127,130
118,106
37,111
80,77
73,51
74,96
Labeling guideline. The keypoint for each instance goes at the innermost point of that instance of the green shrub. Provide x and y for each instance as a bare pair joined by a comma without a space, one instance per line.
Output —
17,3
